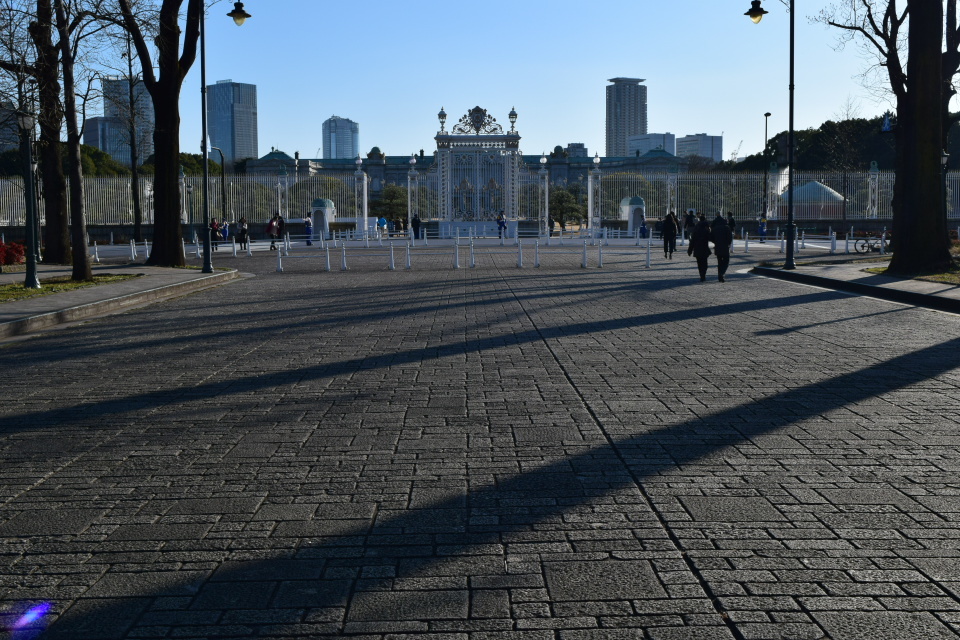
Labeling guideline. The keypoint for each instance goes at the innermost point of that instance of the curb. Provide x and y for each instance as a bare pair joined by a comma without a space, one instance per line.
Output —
112,305
924,300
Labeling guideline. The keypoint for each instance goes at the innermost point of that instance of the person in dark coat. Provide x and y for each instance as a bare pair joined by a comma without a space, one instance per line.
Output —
722,236
700,247
689,222
669,230
731,223
415,223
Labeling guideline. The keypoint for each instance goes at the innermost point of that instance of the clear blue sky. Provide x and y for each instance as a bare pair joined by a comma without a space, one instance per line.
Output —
391,65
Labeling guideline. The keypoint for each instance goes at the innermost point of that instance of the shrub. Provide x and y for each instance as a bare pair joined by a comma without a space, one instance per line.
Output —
11,253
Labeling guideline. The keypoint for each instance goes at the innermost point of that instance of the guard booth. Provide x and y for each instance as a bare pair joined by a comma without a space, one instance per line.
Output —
634,211
324,213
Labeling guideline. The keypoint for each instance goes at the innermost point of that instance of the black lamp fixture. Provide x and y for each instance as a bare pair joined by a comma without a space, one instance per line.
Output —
238,14
755,13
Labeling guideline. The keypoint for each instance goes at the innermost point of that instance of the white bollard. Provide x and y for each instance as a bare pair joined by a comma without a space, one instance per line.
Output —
111,237
366,240
473,257
600,253
96,253
846,244
649,241
536,254
458,237
426,238
133,251
146,249
606,236
198,249
343,257
327,251
833,242
234,239
279,262
583,264
392,265
456,255
883,242
249,248
519,254
796,242
636,232
502,233
408,256
803,239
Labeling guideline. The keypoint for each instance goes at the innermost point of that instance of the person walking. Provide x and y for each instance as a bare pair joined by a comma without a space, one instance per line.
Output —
762,229
308,229
669,232
214,234
243,232
731,223
689,222
415,223
700,246
501,224
722,236
273,230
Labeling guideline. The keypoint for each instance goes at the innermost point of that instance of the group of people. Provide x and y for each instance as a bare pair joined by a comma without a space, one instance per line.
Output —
702,234
220,230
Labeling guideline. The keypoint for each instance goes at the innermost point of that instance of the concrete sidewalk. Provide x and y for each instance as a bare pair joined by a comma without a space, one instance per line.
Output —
153,284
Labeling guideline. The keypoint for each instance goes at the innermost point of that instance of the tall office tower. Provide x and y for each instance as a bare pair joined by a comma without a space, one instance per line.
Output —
341,138
119,115
626,113
641,144
700,144
232,118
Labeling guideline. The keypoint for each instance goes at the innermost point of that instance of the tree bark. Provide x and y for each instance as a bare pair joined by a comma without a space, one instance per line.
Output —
920,240
56,236
78,225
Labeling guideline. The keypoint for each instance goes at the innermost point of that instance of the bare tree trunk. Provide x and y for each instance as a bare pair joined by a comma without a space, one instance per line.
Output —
56,238
133,117
919,224
167,235
78,224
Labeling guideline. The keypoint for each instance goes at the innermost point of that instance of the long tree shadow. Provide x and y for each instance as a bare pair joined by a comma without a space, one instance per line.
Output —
349,577
96,411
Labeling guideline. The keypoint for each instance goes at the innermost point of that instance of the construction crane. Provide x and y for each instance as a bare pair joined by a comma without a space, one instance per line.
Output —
736,152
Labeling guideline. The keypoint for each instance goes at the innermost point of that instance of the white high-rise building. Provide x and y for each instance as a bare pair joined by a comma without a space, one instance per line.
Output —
641,144
700,144
626,113
341,138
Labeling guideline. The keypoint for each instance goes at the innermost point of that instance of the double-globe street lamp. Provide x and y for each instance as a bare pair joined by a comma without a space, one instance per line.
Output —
27,121
756,13
766,171
239,17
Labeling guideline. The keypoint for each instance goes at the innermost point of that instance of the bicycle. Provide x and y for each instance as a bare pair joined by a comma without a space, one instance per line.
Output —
868,245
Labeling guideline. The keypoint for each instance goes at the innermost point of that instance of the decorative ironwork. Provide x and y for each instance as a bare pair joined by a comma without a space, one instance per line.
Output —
478,121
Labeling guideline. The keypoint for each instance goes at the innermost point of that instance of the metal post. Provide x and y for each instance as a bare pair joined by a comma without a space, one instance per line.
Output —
456,256
519,254
746,243
788,262
536,255
249,249
234,238
343,257
473,257
207,262
600,254
326,251
392,266
833,242
133,250
883,242
649,240
583,264
279,262
408,256
96,253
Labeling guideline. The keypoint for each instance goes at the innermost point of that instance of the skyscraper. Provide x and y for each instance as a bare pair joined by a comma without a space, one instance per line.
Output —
341,138
232,113
111,133
700,144
626,113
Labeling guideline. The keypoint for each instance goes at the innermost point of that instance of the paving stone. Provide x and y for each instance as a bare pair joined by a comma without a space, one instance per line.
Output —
881,625
48,522
722,509
426,605
603,580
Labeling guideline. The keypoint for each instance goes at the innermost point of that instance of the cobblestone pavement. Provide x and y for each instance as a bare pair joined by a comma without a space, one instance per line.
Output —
486,454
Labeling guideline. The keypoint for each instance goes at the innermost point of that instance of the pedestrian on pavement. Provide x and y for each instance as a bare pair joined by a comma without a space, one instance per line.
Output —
274,230
214,233
382,226
243,233
689,222
762,229
700,246
669,232
552,224
308,229
501,224
415,223
722,236
731,223
225,230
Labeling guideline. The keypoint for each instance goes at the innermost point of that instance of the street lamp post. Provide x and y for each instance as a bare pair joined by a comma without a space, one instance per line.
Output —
223,186
190,199
756,13
766,141
27,122
944,158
